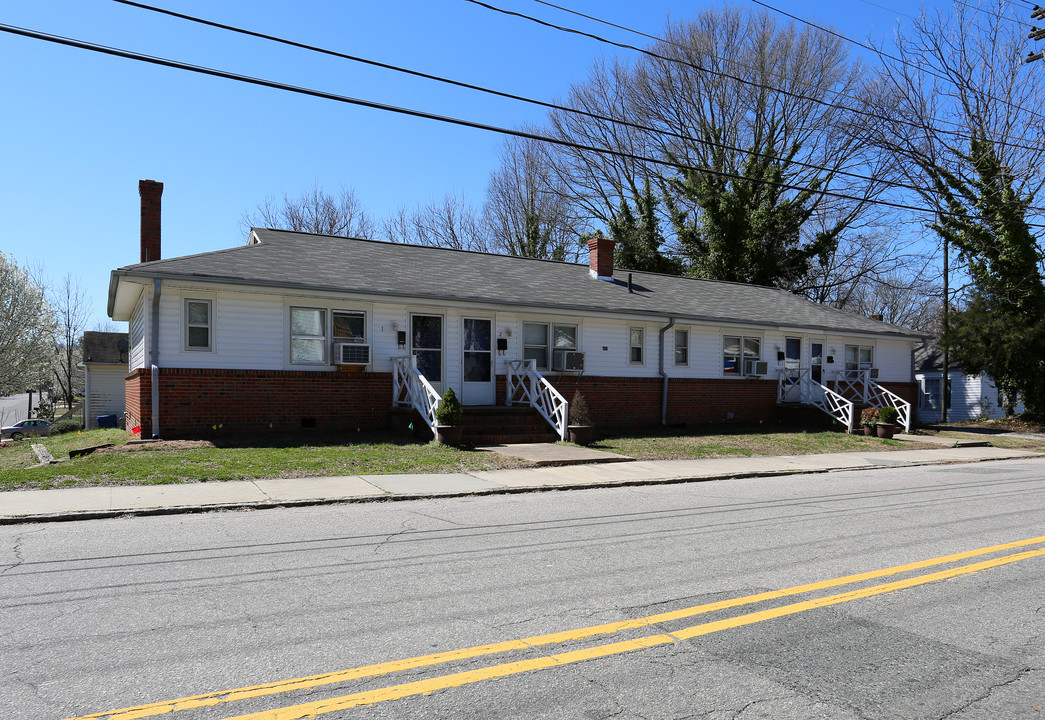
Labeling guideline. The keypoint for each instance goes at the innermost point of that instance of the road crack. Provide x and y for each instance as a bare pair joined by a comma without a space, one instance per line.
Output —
989,691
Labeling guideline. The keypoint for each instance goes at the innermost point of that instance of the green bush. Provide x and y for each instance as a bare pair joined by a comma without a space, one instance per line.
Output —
449,411
60,427
888,415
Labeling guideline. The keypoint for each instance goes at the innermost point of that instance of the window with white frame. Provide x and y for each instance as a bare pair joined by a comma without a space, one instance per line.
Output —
739,353
682,347
348,326
308,336
198,324
635,344
858,357
932,394
541,341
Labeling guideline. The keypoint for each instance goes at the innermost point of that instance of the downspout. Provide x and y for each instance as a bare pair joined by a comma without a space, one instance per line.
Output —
663,374
154,352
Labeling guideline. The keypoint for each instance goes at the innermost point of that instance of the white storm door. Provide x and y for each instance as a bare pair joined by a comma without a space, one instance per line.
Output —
477,371
426,342
793,369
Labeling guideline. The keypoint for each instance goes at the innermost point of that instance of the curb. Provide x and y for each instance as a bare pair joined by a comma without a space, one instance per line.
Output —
75,515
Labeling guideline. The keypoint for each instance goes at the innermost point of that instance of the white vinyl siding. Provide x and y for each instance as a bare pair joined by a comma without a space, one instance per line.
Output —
136,336
103,392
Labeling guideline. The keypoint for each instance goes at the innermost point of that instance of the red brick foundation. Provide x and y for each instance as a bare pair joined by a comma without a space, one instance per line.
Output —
198,403
207,403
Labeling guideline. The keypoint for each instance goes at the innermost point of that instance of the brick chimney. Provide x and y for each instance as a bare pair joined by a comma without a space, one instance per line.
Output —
150,192
600,251
877,316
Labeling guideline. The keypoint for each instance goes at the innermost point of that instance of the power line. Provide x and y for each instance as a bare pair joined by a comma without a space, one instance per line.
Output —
718,73
479,88
891,57
324,95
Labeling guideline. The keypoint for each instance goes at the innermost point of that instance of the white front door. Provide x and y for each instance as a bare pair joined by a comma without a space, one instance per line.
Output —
477,387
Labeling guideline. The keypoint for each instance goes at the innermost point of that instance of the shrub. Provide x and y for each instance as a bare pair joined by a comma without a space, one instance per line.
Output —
579,412
888,415
449,411
63,426
869,416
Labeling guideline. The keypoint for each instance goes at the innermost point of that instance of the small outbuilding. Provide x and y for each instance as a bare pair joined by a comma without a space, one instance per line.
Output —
105,372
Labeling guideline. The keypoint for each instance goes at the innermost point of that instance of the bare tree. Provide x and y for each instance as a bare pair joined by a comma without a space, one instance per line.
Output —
314,211
959,76
25,328
718,92
449,223
72,311
528,211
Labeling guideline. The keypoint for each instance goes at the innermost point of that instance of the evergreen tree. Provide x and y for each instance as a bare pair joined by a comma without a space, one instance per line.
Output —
749,228
638,236
1001,332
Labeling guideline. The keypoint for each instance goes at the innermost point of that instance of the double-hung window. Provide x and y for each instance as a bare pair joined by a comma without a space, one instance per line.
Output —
681,348
932,393
308,336
546,343
739,353
635,344
858,357
198,324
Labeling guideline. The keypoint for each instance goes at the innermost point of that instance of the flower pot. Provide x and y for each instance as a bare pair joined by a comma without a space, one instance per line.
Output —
885,430
869,430
581,434
449,434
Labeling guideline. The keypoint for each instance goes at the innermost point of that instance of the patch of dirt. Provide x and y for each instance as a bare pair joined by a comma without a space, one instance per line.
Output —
1014,424
159,445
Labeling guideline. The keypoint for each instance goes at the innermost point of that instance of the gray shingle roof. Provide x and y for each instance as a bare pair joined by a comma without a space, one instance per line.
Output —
301,260
105,347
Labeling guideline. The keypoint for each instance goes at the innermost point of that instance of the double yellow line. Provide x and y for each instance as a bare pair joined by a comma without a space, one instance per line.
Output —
370,697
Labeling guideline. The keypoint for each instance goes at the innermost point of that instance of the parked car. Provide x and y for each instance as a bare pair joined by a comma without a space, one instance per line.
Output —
25,427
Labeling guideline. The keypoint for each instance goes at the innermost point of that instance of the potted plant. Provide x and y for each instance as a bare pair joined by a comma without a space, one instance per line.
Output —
887,418
580,426
869,418
448,414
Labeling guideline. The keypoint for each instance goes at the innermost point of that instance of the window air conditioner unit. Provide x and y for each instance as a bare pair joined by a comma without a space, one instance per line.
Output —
754,368
351,354
874,373
568,360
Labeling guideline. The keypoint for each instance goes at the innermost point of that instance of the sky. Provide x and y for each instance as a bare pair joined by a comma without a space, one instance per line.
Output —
80,129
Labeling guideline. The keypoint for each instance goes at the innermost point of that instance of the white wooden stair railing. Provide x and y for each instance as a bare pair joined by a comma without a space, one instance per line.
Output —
800,387
411,389
525,386
859,383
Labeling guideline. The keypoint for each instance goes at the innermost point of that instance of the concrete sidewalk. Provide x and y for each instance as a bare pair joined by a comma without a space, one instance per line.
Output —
97,502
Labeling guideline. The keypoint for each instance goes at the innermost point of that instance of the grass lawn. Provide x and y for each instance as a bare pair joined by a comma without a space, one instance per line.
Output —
181,462
673,446
200,461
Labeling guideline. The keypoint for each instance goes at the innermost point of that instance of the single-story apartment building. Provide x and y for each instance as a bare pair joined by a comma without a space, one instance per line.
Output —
295,331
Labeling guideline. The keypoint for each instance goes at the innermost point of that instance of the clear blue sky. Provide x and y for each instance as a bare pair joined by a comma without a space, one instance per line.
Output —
80,129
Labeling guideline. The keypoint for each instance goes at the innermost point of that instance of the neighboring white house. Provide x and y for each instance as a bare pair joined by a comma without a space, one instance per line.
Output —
972,397
105,372
294,331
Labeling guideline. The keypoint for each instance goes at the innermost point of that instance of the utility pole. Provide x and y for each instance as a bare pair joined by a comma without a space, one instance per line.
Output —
944,385
1036,33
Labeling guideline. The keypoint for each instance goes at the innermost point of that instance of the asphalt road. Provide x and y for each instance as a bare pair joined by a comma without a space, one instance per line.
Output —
102,615
13,408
